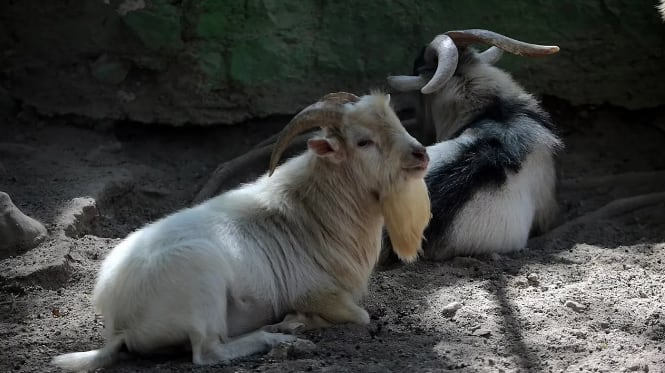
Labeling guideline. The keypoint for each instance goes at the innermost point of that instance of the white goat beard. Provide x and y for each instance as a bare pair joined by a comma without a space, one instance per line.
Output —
661,9
407,213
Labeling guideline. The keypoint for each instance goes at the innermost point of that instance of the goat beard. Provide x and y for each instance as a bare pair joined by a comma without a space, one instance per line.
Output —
406,213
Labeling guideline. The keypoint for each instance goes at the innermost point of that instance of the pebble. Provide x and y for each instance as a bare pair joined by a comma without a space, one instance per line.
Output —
81,212
581,334
292,350
533,279
451,308
575,306
638,367
521,283
110,70
480,332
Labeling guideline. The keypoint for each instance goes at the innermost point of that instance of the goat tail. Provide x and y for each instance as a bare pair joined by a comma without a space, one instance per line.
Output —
91,360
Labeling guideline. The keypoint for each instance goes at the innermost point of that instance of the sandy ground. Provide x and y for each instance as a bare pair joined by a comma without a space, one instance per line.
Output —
589,299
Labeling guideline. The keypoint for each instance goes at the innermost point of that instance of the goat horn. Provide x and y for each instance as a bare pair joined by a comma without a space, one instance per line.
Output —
445,50
340,98
491,56
327,112
405,83
465,37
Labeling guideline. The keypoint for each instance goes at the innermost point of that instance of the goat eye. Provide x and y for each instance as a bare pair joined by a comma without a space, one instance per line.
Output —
365,142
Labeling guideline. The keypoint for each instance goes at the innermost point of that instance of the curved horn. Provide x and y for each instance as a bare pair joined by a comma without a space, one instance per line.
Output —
491,55
444,49
327,112
405,83
466,37
340,98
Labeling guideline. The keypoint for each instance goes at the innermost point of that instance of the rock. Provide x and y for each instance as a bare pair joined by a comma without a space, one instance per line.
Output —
280,72
126,96
481,332
17,230
110,70
78,217
450,309
129,6
637,366
521,283
581,334
533,279
575,306
292,350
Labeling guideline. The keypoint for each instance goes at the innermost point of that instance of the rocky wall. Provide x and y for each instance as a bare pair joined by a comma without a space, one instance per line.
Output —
224,61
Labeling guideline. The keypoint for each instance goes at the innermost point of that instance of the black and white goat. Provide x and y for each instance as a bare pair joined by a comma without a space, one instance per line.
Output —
492,173
286,252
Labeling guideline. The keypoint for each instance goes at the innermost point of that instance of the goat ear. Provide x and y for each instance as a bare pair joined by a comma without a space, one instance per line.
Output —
326,148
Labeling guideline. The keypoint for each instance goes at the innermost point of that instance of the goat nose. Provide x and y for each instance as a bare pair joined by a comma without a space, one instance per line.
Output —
420,153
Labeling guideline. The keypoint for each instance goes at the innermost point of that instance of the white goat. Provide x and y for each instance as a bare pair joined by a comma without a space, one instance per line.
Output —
492,175
296,246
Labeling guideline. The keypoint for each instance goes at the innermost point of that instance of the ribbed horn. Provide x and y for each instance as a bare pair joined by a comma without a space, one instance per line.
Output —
491,56
327,112
465,37
443,49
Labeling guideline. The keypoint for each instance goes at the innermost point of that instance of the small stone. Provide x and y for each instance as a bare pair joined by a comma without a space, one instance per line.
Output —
575,306
480,332
292,350
80,213
581,334
17,230
533,279
638,366
126,96
129,6
451,308
109,70
521,283
74,257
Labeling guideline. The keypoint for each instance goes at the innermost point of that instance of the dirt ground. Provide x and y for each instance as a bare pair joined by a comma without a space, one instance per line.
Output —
588,299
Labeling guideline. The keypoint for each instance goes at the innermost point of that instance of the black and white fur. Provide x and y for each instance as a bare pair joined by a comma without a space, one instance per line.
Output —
491,178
